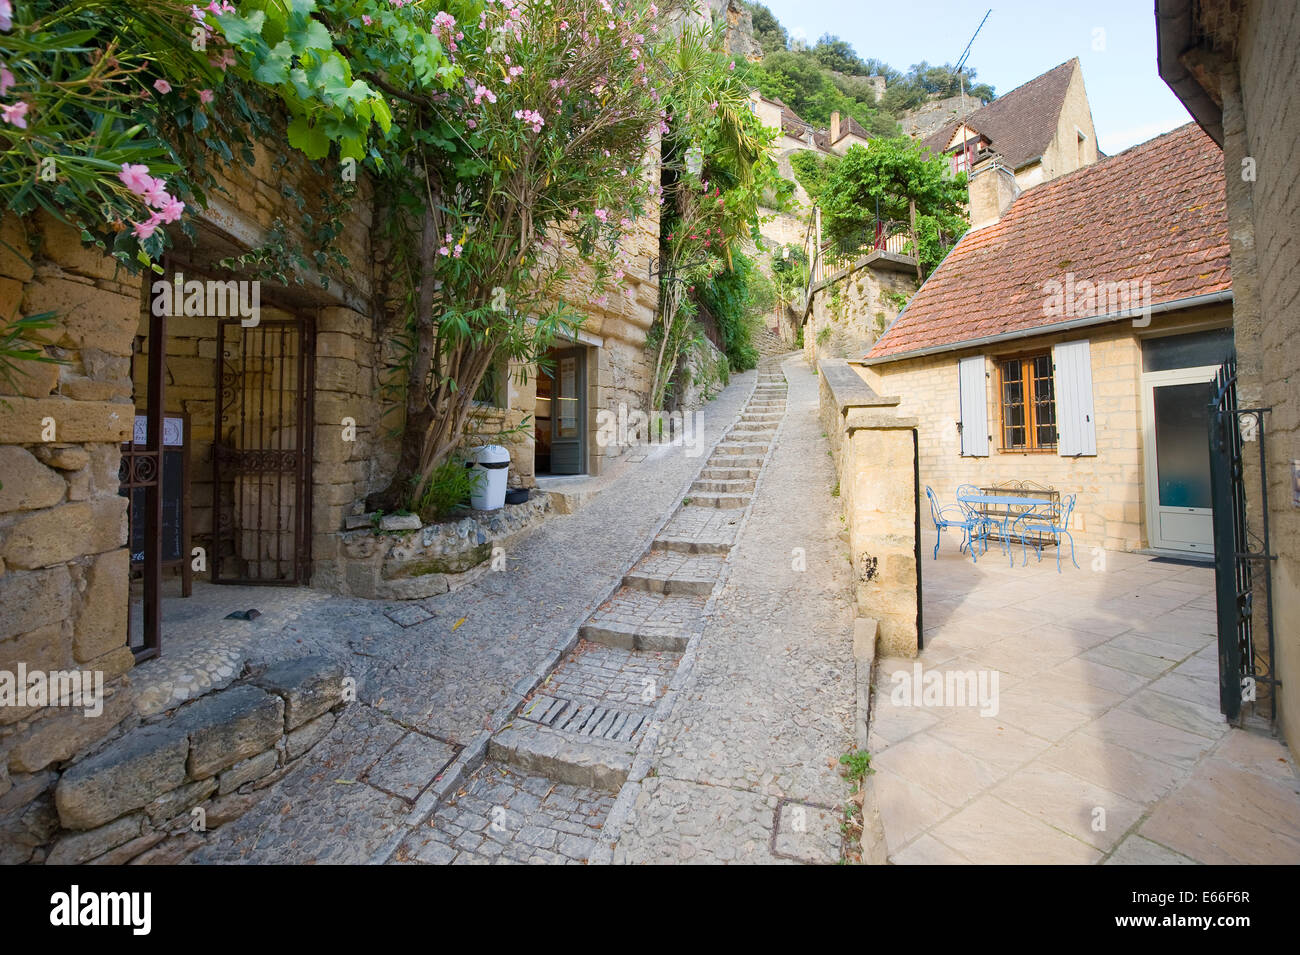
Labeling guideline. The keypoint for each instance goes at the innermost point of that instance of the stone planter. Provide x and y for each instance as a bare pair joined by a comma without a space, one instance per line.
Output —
397,561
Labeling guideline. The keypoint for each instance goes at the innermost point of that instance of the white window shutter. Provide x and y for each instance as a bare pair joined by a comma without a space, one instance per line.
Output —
1076,427
974,407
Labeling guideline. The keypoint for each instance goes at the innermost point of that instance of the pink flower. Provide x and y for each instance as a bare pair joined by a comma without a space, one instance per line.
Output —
6,15
456,252
135,178
196,13
162,86
602,215
205,96
225,61
171,210
365,18
472,123
143,230
156,195
731,66
15,114
444,251
6,80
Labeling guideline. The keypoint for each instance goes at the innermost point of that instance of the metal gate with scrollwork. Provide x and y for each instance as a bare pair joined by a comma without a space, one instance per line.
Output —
261,467
1241,555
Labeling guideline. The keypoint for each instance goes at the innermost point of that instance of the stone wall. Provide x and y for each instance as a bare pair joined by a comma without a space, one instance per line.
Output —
154,791
1110,512
852,308
875,456
1261,116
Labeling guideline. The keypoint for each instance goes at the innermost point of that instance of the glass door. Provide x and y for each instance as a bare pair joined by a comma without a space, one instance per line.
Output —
1177,455
568,412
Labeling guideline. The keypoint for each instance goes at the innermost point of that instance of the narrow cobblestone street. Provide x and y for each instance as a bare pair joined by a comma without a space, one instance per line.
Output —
573,713
672,695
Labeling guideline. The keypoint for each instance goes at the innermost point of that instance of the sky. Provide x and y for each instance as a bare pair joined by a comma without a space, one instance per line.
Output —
1115,40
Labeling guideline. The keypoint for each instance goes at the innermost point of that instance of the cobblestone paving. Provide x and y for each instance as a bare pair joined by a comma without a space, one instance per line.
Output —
500,816
626,679
703,526
646,613
769,704
443,675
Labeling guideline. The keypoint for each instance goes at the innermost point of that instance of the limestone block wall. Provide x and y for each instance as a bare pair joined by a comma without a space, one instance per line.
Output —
1110,510
852,309
63,560
874,448
1267,127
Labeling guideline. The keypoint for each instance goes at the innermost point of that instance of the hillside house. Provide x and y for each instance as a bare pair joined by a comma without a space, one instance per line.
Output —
1069,339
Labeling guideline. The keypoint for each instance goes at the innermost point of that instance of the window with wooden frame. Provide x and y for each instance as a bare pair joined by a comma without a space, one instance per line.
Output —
1027,398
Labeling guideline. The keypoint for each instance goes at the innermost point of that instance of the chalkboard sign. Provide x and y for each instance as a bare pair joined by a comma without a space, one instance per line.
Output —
175,487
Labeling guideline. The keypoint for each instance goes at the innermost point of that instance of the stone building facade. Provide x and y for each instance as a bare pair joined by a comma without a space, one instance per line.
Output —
1019,372
1234,66
315,365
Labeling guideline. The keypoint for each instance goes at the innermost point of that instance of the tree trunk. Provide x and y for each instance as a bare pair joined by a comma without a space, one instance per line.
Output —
419,410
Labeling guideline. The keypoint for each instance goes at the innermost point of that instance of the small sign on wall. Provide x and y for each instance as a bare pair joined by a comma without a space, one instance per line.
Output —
1295,483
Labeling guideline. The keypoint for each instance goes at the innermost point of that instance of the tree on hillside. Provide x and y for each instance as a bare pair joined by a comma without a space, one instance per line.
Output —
892,179
839,55
809,88
923,82
768,31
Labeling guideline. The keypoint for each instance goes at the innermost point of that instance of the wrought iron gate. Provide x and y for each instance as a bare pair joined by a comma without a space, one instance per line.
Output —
1240,555
261,468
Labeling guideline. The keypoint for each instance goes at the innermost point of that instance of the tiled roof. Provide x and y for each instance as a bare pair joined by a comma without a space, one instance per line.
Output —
1020,124
850,126
1154,212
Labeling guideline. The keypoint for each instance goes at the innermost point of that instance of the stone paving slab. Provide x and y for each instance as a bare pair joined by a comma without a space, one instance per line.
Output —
707,528
1106,744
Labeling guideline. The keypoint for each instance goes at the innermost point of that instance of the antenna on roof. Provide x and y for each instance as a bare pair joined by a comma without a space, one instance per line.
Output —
961,79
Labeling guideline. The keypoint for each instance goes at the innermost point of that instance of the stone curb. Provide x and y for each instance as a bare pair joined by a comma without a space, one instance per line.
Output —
475,752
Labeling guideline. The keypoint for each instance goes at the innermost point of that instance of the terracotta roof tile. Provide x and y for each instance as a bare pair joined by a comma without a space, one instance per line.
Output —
1155,212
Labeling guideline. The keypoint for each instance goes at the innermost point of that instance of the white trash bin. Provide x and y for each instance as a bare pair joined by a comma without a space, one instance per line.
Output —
490,468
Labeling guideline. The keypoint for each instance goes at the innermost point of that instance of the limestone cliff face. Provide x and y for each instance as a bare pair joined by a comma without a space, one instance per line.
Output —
739,27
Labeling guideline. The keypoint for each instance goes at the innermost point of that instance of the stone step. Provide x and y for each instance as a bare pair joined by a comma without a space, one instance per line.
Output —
639,619
729,474
765,407
734,460
566,757
699,530
722,485
740,448
762,415
722,501
667,572
747,429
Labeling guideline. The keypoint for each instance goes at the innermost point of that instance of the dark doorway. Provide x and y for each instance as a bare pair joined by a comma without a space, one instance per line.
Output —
561,416
262,452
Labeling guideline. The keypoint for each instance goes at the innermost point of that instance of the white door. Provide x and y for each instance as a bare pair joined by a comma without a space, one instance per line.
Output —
1176,416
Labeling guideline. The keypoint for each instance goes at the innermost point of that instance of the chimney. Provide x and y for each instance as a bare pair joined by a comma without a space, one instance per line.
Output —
835,126
992,190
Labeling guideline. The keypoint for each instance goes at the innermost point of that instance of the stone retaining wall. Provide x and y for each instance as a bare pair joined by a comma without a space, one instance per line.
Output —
875,459
154,791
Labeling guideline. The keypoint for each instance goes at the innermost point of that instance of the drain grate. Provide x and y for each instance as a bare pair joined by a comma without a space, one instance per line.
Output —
584,719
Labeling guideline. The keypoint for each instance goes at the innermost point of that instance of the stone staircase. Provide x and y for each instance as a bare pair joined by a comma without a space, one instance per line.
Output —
583,725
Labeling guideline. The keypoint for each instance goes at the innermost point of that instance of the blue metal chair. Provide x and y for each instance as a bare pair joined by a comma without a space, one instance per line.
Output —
982,521
953,515
1052,520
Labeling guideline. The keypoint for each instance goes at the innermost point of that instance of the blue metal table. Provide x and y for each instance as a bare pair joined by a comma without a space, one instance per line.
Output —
1009,501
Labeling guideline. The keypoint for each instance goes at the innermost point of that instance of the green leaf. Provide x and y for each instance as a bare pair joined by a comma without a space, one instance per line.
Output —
309,138
274,68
